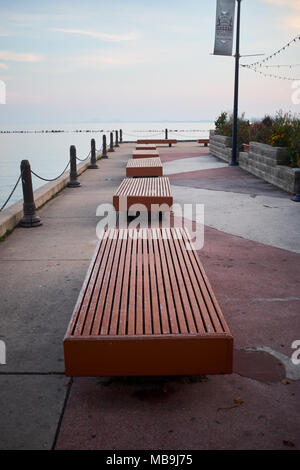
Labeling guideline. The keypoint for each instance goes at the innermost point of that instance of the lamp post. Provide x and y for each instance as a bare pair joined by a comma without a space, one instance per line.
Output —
234,161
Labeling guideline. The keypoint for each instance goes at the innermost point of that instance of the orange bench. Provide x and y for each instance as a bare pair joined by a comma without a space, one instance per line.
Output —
157,141
146,308
145,147
203,141
145,153
141,167
151,192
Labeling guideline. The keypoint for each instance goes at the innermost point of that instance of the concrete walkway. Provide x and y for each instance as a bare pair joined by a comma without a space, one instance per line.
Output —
42,270
251,256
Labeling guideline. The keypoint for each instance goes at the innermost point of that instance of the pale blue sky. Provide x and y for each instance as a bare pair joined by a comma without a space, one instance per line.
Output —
67,61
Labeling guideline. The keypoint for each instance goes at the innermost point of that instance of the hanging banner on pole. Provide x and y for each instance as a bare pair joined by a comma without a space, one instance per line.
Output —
224,27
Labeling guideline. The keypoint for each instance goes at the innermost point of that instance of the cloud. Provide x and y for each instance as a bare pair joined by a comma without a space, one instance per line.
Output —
292,18
37,17
293,22
19,57
100,60
3,66
97,35
294,4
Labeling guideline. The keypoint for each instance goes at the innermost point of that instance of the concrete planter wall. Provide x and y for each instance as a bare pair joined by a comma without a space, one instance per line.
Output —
271,164
262,160
220,146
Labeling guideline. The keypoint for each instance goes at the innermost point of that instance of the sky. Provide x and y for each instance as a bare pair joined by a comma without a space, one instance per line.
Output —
139,60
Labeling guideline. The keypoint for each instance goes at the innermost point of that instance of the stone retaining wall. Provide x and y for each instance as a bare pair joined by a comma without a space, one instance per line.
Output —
263,161
220,146
271,164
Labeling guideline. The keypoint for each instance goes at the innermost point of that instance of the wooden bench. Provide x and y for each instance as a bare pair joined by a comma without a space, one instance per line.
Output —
145,153
146,308
143,167
157,141
145,147
203,141
150,192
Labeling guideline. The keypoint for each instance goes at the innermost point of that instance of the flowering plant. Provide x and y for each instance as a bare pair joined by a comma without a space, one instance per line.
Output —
283,130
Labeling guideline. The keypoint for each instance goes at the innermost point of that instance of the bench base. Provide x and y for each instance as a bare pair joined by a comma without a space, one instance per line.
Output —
152,356
157,141
148,192
145,147
137,154
203,141
144,167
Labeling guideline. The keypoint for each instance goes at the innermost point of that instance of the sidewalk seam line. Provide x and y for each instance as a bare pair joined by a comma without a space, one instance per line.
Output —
62,414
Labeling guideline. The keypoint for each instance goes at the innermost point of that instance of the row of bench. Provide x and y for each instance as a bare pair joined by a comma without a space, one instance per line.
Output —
146,306
205,142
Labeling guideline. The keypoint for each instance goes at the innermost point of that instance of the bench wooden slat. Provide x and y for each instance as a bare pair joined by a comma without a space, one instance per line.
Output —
154,282
89,300
168,289
103,289
125,290
146,191
204,300
156,141
183,289
166,327
132,288
201,317
96,301
147,308
112,304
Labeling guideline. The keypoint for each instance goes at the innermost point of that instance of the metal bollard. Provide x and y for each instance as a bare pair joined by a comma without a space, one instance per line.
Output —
29,218
166,137
117,139
93,164
104,150
73,183
121,136
111,143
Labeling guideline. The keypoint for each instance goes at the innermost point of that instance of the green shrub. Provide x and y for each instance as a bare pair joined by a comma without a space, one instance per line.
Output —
220,122
294,147
283,130
224,123
260,132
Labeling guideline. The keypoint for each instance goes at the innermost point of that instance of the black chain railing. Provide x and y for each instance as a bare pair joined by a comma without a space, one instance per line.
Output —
84,159
51,179
12,192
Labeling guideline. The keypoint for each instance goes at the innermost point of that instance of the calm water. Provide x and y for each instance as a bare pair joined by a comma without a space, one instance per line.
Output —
48,153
